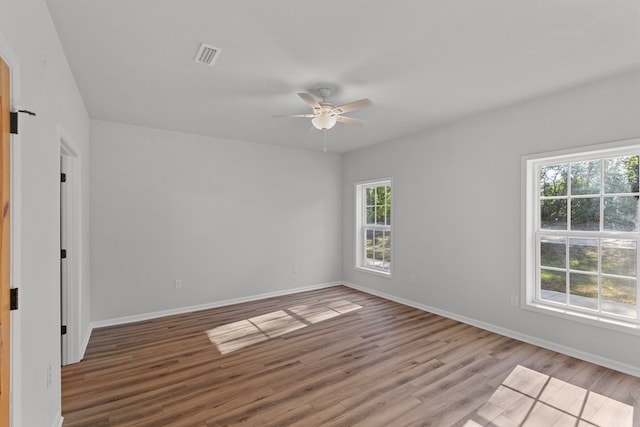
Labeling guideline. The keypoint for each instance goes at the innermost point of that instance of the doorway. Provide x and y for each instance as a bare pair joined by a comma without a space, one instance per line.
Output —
69,254
64,274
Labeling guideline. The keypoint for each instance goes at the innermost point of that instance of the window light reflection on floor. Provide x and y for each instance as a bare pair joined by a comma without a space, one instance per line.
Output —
237,335
530,398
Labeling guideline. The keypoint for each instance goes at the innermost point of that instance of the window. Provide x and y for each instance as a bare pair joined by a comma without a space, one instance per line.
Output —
373,226
582,235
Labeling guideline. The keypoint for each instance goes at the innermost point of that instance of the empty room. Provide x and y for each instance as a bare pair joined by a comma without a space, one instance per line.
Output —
284,213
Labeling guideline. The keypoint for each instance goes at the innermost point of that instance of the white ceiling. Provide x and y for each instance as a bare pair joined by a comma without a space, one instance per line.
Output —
422,62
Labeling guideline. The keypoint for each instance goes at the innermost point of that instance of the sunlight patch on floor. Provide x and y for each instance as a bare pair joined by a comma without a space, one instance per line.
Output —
530,398
243,333
314,313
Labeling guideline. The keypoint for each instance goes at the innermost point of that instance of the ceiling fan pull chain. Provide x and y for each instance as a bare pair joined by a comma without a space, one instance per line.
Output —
324,132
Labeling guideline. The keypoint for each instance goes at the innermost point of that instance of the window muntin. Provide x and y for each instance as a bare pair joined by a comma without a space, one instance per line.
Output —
584,228
373,235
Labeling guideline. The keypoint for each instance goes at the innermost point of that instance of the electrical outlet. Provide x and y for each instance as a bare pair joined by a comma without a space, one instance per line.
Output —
49,375
295,268
412,278
514,300
178,283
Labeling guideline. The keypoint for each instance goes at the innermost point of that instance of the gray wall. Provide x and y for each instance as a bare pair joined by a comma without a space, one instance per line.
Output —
457,217
229,218
45,85
239,215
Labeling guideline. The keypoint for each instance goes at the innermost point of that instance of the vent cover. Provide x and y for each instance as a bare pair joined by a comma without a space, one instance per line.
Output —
207,54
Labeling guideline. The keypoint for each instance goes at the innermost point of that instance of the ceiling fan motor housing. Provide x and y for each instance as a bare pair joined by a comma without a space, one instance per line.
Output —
325,114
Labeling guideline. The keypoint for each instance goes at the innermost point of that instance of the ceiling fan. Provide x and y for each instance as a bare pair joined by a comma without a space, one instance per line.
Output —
325,115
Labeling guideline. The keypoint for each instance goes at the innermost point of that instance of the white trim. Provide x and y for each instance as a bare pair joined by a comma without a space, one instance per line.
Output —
16,280
563,312
85,342
15,398
529,228
374,271
569,351
595,150
58,421
359,225
189,309
11,59
74,248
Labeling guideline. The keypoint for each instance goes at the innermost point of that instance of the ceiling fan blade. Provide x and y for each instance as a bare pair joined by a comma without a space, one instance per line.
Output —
350,121
289,116
353,106
309,99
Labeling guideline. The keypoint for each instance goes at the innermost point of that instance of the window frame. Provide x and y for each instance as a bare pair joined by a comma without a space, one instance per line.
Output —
530,298
361,226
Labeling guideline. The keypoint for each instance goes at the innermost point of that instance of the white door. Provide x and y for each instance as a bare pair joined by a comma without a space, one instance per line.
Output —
64,271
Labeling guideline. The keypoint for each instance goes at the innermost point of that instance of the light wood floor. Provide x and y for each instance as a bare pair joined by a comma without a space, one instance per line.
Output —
333,357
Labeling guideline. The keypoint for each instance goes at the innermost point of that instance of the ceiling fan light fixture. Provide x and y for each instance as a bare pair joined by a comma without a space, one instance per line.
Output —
324,121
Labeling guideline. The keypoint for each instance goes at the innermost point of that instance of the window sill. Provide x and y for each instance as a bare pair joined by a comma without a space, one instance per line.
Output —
373,271
589,319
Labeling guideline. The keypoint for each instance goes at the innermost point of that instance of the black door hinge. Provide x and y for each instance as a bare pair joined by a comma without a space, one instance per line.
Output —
13,296
63,177
63,253
13,120
63,330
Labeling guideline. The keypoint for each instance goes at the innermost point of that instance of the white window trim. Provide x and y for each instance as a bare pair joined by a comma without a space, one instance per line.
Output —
529,211
358,224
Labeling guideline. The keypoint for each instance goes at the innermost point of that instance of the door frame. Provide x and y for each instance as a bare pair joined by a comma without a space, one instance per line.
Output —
65,263
9,56
5,252
70,290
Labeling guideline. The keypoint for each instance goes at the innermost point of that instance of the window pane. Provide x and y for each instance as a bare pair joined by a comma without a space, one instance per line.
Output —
371,215
585,177
553,252
374,222
380,201
619,257
621,213
587,231
371,196
369,247
376,248
583,254
585,214
584,290
553,285
553,214
619,296
553,180
621,175
387,250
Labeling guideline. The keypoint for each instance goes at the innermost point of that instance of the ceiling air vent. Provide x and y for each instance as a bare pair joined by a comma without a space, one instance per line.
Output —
207,54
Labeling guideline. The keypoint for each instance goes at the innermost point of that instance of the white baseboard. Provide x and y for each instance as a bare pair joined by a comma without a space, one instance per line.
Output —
189,309
85,341
83,347
569,351
59,420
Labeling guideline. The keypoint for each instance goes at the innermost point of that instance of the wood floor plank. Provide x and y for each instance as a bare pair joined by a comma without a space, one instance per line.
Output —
330,357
